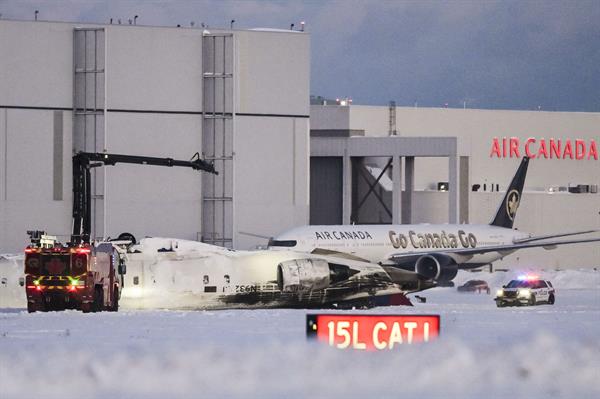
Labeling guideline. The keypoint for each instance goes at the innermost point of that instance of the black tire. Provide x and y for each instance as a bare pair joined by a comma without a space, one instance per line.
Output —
98,304
551,299
500,304
115,300
127,237
33,307
532,301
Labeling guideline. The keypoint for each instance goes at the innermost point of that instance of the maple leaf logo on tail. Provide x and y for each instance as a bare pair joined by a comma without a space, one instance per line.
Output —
512,204
507,210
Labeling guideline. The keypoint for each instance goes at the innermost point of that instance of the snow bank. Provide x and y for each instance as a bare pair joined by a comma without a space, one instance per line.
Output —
483,352
448,368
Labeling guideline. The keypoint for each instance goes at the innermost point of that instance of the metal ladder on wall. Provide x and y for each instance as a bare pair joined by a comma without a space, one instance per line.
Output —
89,110
217,138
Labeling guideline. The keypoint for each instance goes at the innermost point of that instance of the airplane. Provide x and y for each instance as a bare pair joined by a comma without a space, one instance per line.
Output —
180,274
435,252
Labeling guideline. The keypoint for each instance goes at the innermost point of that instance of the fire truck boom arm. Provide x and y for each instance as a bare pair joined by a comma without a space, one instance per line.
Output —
83,161
86,158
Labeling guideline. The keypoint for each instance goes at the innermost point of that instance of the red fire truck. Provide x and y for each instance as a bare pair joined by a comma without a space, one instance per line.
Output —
81,274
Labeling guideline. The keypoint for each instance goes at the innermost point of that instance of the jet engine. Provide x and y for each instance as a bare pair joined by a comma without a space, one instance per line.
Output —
438,267
303,275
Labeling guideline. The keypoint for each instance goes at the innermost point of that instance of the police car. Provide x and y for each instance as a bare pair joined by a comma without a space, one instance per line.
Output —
525,290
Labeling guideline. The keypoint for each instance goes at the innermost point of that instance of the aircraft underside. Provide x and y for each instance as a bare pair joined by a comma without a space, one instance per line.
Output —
347,295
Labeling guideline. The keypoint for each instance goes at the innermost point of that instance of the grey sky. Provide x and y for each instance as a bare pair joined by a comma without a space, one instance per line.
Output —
507,54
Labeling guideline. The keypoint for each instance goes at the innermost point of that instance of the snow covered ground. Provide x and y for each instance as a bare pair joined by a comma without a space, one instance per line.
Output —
483,351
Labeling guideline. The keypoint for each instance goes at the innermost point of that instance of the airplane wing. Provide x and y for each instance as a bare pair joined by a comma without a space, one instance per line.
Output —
547,236
403,258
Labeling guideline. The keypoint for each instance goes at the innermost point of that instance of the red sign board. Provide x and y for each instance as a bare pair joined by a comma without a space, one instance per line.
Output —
372,332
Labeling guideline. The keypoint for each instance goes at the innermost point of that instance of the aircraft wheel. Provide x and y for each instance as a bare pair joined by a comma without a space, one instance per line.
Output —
127,237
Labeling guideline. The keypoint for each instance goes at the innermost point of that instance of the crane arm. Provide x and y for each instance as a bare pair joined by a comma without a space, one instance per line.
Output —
82,196
86,158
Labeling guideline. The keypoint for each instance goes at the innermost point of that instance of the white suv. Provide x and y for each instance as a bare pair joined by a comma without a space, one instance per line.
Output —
526,290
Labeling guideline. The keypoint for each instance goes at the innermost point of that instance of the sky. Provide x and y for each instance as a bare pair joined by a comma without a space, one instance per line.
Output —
475,54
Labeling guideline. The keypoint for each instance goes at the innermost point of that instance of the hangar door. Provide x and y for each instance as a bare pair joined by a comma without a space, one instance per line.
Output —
326,190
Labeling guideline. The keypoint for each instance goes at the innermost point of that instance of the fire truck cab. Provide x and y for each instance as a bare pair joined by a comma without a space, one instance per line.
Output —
80,276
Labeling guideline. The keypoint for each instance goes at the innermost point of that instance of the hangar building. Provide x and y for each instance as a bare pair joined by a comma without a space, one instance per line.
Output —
240,97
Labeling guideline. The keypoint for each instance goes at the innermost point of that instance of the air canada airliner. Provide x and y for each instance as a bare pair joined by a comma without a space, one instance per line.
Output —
434,252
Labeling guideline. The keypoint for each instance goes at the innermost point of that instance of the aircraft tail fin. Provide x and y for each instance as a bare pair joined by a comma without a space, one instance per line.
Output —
507,211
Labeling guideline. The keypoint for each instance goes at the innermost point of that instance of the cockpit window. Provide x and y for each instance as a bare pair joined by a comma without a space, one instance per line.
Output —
283,243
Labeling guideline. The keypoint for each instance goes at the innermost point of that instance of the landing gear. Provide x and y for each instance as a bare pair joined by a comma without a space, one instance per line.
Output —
127,237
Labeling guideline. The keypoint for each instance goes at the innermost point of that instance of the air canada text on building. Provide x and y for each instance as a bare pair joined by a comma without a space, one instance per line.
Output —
553,148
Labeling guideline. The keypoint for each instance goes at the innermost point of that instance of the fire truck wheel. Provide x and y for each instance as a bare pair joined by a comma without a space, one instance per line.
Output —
115,300
98,300
32,307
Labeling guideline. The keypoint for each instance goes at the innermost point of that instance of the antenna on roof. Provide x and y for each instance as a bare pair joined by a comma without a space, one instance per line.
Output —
392,119
36,14
231,24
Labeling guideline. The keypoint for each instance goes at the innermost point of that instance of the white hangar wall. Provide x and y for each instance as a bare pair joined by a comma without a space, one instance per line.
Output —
272,185
476,129
271,152
540,212
149,96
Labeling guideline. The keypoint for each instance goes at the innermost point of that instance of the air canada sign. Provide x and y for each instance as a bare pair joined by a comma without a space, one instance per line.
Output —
513,147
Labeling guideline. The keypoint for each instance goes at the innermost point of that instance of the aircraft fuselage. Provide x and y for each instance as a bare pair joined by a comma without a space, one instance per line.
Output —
378,243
